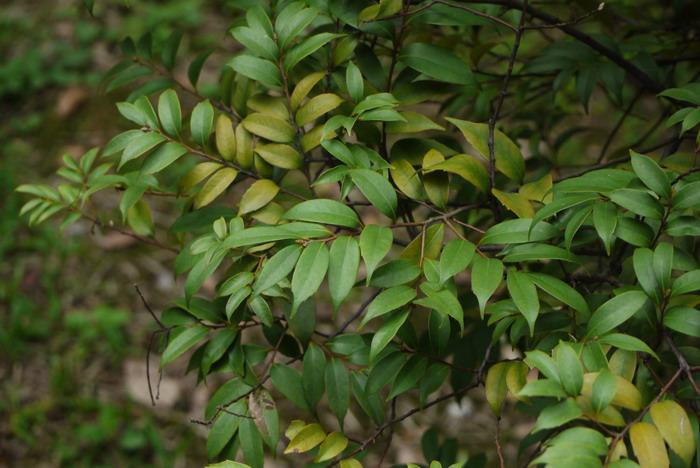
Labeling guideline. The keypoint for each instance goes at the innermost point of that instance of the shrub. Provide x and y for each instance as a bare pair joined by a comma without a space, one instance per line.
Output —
468,179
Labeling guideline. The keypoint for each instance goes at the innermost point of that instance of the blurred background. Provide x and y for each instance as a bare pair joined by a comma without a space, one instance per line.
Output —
73,332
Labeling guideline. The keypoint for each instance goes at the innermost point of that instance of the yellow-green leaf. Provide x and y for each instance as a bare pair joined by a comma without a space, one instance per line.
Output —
334,444
414,123
271,105
294,428
497,386
258,195
268,214
316,107
509,160
312,138
269,127
468,168
215,186
648,446
406,179
140,219
244,147
516,378
350,463
538,190
306,439
225,138
280,155
434,236
437,187
673,424
626,394
515,202
302,89
197,174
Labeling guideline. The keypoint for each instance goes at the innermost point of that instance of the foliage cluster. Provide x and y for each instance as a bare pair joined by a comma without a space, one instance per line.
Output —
375,237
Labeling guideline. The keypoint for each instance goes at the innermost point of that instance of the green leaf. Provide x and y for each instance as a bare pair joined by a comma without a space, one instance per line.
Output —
509,159
162,157
542,388
615,312
604,389
686,283
575,223
387,332
673,424
467,167
414,122
687,197
292,20
189,337
408,376
257,69
634,231
201,122
140,145
683,226
388,300
605,221
306,439
648,445
570,368
324,211
496,386
558,415
264,234
627,342
524,294
259,194
517,231
338,389
375,242
438,63
487,274
307,47
170,113
638,202
443,302
289,383
354,82
343,267
642,261
683,320
195,67
224,429
528,252
455,258
309,273
257,40
377,189
215,186
394,273
280,155
313,375
560,291
269,127
261,309
277,268
651,174
663,264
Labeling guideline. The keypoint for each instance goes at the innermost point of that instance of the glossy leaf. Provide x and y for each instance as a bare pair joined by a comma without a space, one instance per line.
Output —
309,272
487,274
614,312
344,263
